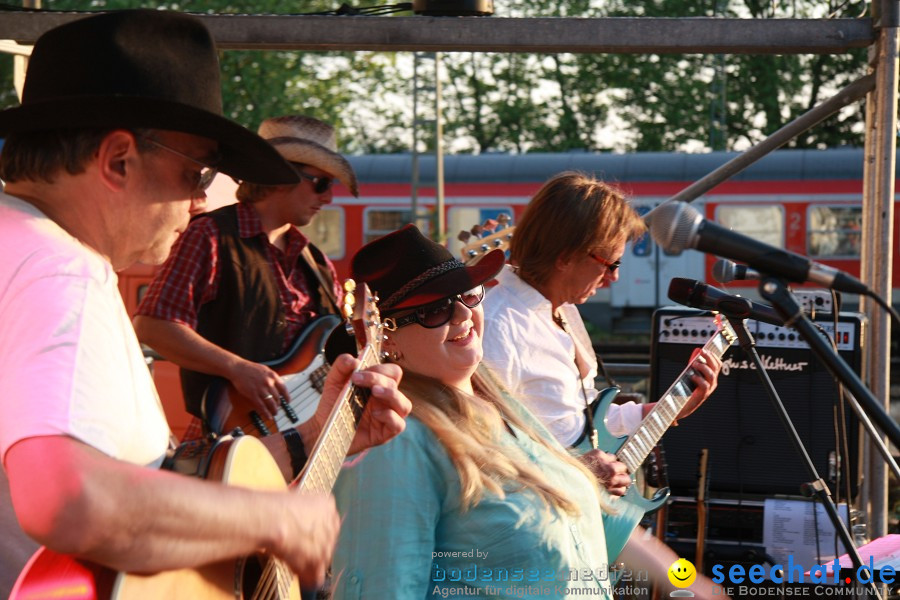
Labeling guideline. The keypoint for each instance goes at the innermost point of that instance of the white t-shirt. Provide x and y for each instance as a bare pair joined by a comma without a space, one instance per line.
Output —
70,363
535,359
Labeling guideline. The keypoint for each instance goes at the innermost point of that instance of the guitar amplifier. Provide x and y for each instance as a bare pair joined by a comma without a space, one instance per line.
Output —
750,450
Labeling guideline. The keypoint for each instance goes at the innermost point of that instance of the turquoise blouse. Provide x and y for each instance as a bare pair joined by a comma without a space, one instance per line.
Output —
404,535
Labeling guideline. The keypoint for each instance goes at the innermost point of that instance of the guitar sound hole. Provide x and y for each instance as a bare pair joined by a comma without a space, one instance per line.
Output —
250,571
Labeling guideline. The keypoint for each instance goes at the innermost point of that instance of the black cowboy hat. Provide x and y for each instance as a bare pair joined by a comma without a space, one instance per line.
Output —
138,69
407,270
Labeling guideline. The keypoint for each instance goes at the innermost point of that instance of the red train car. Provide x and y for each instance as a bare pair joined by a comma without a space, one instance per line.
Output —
807,201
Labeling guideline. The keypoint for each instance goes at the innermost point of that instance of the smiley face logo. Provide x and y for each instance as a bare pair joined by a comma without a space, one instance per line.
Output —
682,573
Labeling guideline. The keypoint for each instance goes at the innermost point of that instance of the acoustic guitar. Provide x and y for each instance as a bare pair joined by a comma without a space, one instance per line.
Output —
242,461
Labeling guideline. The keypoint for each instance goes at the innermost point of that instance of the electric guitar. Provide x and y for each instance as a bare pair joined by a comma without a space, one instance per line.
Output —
490,235
303,370
633,450
242,461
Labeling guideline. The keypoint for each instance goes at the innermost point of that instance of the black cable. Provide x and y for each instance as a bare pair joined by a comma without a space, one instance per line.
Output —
895,318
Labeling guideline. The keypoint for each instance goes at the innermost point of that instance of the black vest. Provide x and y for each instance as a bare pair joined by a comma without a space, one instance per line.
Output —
247,316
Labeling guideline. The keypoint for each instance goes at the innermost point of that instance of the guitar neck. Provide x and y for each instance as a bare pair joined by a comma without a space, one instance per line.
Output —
636,449
328,454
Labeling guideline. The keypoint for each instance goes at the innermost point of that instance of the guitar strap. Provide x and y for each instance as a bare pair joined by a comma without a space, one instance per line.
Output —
582,368
326,287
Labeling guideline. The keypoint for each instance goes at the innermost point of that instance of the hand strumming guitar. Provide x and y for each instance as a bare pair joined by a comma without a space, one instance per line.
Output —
611,473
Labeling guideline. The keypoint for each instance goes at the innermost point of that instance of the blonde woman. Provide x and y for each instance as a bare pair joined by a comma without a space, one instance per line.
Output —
476,498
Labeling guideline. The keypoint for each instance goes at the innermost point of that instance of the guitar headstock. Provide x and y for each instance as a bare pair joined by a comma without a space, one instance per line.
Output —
493,234
725,329
361,311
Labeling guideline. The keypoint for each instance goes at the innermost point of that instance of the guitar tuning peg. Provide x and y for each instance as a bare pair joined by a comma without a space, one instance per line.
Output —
477,230
464,236
503,219
490,225
349,286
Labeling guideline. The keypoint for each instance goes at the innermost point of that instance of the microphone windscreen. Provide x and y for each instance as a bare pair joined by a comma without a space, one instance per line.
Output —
681,289
673,226
723,271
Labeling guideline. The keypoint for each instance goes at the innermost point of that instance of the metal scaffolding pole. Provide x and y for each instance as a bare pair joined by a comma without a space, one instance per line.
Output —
879,206
626,35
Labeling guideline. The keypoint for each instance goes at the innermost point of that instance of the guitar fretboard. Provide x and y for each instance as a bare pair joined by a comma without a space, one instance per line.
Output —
328,454
636,449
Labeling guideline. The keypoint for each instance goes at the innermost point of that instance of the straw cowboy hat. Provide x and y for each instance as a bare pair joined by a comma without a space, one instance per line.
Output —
138,69
408,270
309,141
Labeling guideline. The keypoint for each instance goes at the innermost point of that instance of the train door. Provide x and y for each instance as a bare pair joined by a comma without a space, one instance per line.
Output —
647,270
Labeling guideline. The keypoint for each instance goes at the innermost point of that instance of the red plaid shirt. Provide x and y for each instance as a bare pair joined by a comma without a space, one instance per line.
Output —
190,276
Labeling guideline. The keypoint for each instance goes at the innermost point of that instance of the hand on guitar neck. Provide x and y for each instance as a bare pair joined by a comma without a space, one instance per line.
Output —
704,377
383,418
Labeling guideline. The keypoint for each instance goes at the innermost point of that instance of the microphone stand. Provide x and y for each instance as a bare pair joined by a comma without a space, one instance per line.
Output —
816,486
777,292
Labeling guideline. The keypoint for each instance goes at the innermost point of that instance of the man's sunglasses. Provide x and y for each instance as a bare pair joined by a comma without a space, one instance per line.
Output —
207,171
320,183
612,266
440,312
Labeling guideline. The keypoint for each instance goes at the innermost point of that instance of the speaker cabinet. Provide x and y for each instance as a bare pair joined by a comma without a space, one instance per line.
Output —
750,451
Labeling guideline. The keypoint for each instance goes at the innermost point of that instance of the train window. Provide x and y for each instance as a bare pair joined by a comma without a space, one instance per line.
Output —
762,222
326,231
834,231
380,221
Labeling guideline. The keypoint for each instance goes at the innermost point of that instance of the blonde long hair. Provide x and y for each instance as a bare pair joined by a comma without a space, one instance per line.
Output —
471,427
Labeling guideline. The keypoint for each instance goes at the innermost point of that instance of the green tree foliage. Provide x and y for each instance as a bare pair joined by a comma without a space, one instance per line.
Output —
528,102
333,86
651,102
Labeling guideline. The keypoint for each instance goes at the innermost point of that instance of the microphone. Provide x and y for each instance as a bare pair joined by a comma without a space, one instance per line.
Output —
726,271
676,226
697,294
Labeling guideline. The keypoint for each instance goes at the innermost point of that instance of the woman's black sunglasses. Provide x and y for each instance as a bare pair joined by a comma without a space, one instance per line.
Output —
440,312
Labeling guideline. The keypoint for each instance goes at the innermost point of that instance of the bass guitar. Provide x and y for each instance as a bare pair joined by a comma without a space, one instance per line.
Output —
633,450
303,369
242,461
493,234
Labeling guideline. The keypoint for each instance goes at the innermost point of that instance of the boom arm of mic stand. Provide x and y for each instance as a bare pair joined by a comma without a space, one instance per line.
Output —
816,486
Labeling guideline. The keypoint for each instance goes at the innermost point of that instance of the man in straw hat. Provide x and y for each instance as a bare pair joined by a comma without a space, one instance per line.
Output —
119,133
243,282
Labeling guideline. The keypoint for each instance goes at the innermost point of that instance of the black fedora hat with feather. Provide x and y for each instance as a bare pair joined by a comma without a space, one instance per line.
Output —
138,69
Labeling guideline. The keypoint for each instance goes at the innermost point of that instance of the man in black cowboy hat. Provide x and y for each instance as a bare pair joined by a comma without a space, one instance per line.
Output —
243,282
118,135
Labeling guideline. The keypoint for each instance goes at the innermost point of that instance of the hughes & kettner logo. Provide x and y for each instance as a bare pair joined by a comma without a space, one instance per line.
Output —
769,363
